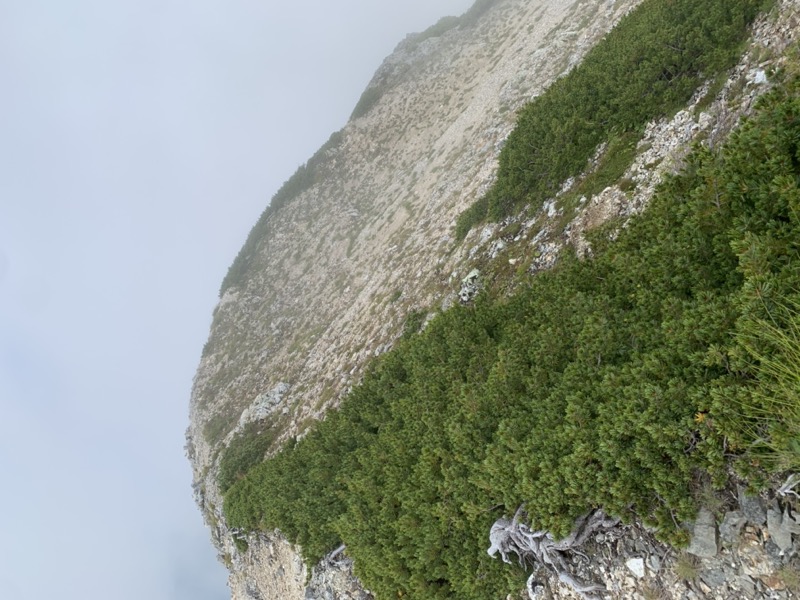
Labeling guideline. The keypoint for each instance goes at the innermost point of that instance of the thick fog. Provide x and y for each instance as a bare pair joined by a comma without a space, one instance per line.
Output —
139,142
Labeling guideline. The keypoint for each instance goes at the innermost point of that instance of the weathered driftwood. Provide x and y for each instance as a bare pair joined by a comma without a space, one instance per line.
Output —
332,558
507,536
788,486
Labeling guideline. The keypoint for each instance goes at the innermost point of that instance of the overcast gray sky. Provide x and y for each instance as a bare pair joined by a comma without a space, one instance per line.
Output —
139,142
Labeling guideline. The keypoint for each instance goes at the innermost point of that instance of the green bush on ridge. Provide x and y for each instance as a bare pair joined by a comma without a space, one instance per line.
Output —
612,381
648,66
615,381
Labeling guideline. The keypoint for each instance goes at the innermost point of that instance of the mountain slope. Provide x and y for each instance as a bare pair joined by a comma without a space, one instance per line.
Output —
336,267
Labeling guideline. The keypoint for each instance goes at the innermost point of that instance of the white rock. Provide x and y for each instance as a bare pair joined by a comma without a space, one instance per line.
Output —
636,566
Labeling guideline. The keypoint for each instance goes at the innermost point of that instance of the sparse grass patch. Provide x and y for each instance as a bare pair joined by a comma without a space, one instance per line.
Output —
627,184
616,159
216,428
510,230
790,577
772,412
651,591
687,567
714,88
709,497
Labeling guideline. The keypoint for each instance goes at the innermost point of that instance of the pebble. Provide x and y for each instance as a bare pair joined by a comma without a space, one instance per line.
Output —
654,562
636,566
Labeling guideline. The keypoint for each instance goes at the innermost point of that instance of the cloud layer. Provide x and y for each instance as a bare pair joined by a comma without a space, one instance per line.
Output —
139,142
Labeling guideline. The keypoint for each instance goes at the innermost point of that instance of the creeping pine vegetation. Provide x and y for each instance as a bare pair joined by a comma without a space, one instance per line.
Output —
617,381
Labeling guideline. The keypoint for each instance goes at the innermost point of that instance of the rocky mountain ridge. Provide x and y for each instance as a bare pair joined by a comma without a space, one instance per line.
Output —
349,258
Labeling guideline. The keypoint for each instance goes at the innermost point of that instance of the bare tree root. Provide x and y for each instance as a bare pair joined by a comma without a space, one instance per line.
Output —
507,536
788,486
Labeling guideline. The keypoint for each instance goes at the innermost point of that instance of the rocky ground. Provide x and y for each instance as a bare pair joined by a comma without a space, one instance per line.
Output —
746,548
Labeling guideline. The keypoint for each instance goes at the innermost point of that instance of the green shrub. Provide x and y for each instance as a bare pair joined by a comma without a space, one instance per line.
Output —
608,382
645,68
414,322
246,450
687,567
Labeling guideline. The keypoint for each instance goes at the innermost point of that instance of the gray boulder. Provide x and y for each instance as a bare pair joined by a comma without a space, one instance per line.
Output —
704,535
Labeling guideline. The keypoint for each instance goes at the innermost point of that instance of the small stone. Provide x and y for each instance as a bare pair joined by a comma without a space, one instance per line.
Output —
791,521
731,527
600,538
778,533
714,578
773,551
704,535
654,562
747,587
752,507
636,566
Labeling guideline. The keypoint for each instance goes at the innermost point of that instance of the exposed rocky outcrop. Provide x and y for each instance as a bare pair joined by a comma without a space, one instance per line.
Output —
344,262
734,553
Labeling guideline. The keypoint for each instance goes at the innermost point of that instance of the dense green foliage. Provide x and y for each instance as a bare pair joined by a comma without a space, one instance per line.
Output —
648,66
615,381
414,322
305,176
246,450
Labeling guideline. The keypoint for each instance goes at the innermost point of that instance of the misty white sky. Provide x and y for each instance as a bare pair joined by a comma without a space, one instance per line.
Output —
139,142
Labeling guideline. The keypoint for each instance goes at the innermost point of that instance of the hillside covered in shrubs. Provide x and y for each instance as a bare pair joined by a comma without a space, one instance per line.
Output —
627,380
